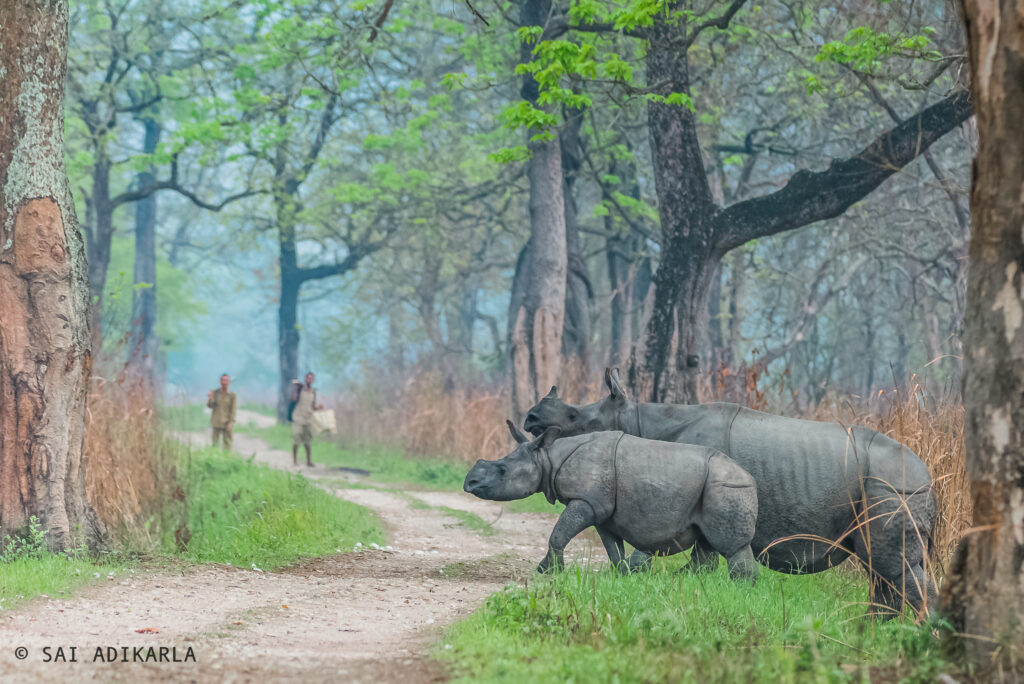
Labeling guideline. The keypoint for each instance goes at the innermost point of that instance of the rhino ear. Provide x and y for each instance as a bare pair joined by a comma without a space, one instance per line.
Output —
553,394
517,434
611,378
549,437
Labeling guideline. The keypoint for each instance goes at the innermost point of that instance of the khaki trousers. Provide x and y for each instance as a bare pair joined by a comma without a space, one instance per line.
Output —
222,433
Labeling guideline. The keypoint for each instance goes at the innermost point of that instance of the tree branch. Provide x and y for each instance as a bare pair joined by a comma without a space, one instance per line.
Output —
381,19
814,196
172,184
338,268
719,23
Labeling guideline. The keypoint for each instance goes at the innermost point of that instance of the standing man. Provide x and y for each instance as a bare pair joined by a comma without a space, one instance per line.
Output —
303,401
222,420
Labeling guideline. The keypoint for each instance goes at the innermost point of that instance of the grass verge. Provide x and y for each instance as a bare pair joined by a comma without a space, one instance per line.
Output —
582,625
245,514
28,569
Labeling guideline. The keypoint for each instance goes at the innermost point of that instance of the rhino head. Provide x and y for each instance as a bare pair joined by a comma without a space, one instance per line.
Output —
551,411
516,476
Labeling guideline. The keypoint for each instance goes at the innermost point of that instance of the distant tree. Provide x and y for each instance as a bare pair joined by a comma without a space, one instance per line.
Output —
986,594
44,287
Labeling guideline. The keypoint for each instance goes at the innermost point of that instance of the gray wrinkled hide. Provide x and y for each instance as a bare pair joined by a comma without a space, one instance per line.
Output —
658,496
814,480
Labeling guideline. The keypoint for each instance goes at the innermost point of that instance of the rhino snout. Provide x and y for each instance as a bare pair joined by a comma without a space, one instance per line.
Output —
532,423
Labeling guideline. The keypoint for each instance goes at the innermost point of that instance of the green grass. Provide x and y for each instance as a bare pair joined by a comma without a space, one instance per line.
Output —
52,574
247,514
28,569
582,625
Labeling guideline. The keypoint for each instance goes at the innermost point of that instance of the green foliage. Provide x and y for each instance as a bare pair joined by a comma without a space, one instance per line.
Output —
247,514
602,626
868,50
30,544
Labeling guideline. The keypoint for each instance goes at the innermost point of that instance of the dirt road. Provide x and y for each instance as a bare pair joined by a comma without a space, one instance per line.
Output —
367,616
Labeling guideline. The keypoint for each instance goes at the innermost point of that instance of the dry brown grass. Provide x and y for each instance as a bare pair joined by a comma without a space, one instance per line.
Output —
131,468
425,418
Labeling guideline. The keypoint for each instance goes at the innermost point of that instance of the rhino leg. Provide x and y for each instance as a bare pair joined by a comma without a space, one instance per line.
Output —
703,557
613,547
576,517
639,561
892,547
729,515
742,565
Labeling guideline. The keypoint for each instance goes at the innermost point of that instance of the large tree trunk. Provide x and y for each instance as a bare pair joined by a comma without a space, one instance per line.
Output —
143,353
988,602
537,307
686,209
536,315
44,287
576,335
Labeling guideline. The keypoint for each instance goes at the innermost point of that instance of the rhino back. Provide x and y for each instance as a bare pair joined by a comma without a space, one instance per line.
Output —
894,464
703,424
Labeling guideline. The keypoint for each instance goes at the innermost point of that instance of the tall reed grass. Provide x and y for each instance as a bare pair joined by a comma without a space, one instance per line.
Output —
131,474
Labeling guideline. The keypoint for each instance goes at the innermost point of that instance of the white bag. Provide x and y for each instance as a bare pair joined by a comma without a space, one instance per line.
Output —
323,421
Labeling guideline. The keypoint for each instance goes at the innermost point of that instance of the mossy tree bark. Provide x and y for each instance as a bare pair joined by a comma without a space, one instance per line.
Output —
44,287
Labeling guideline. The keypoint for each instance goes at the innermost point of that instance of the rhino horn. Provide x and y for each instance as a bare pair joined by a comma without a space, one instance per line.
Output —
553,394
517,434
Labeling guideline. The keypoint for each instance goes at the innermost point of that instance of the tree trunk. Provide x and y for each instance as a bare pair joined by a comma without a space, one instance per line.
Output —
686,210
102,234
620,279
537,307
144,345
628,271
576,336
536,317
287,321
44,307
987,592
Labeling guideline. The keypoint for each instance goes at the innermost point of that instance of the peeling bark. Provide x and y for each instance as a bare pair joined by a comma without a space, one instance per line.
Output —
44,289
986,594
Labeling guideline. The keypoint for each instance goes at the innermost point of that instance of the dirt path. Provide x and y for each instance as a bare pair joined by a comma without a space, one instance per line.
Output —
367,616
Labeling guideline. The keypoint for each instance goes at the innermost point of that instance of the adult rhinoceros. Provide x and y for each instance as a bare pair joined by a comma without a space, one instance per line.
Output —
824,491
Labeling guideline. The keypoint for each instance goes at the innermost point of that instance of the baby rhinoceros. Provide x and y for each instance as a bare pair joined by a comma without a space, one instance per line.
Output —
658,496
